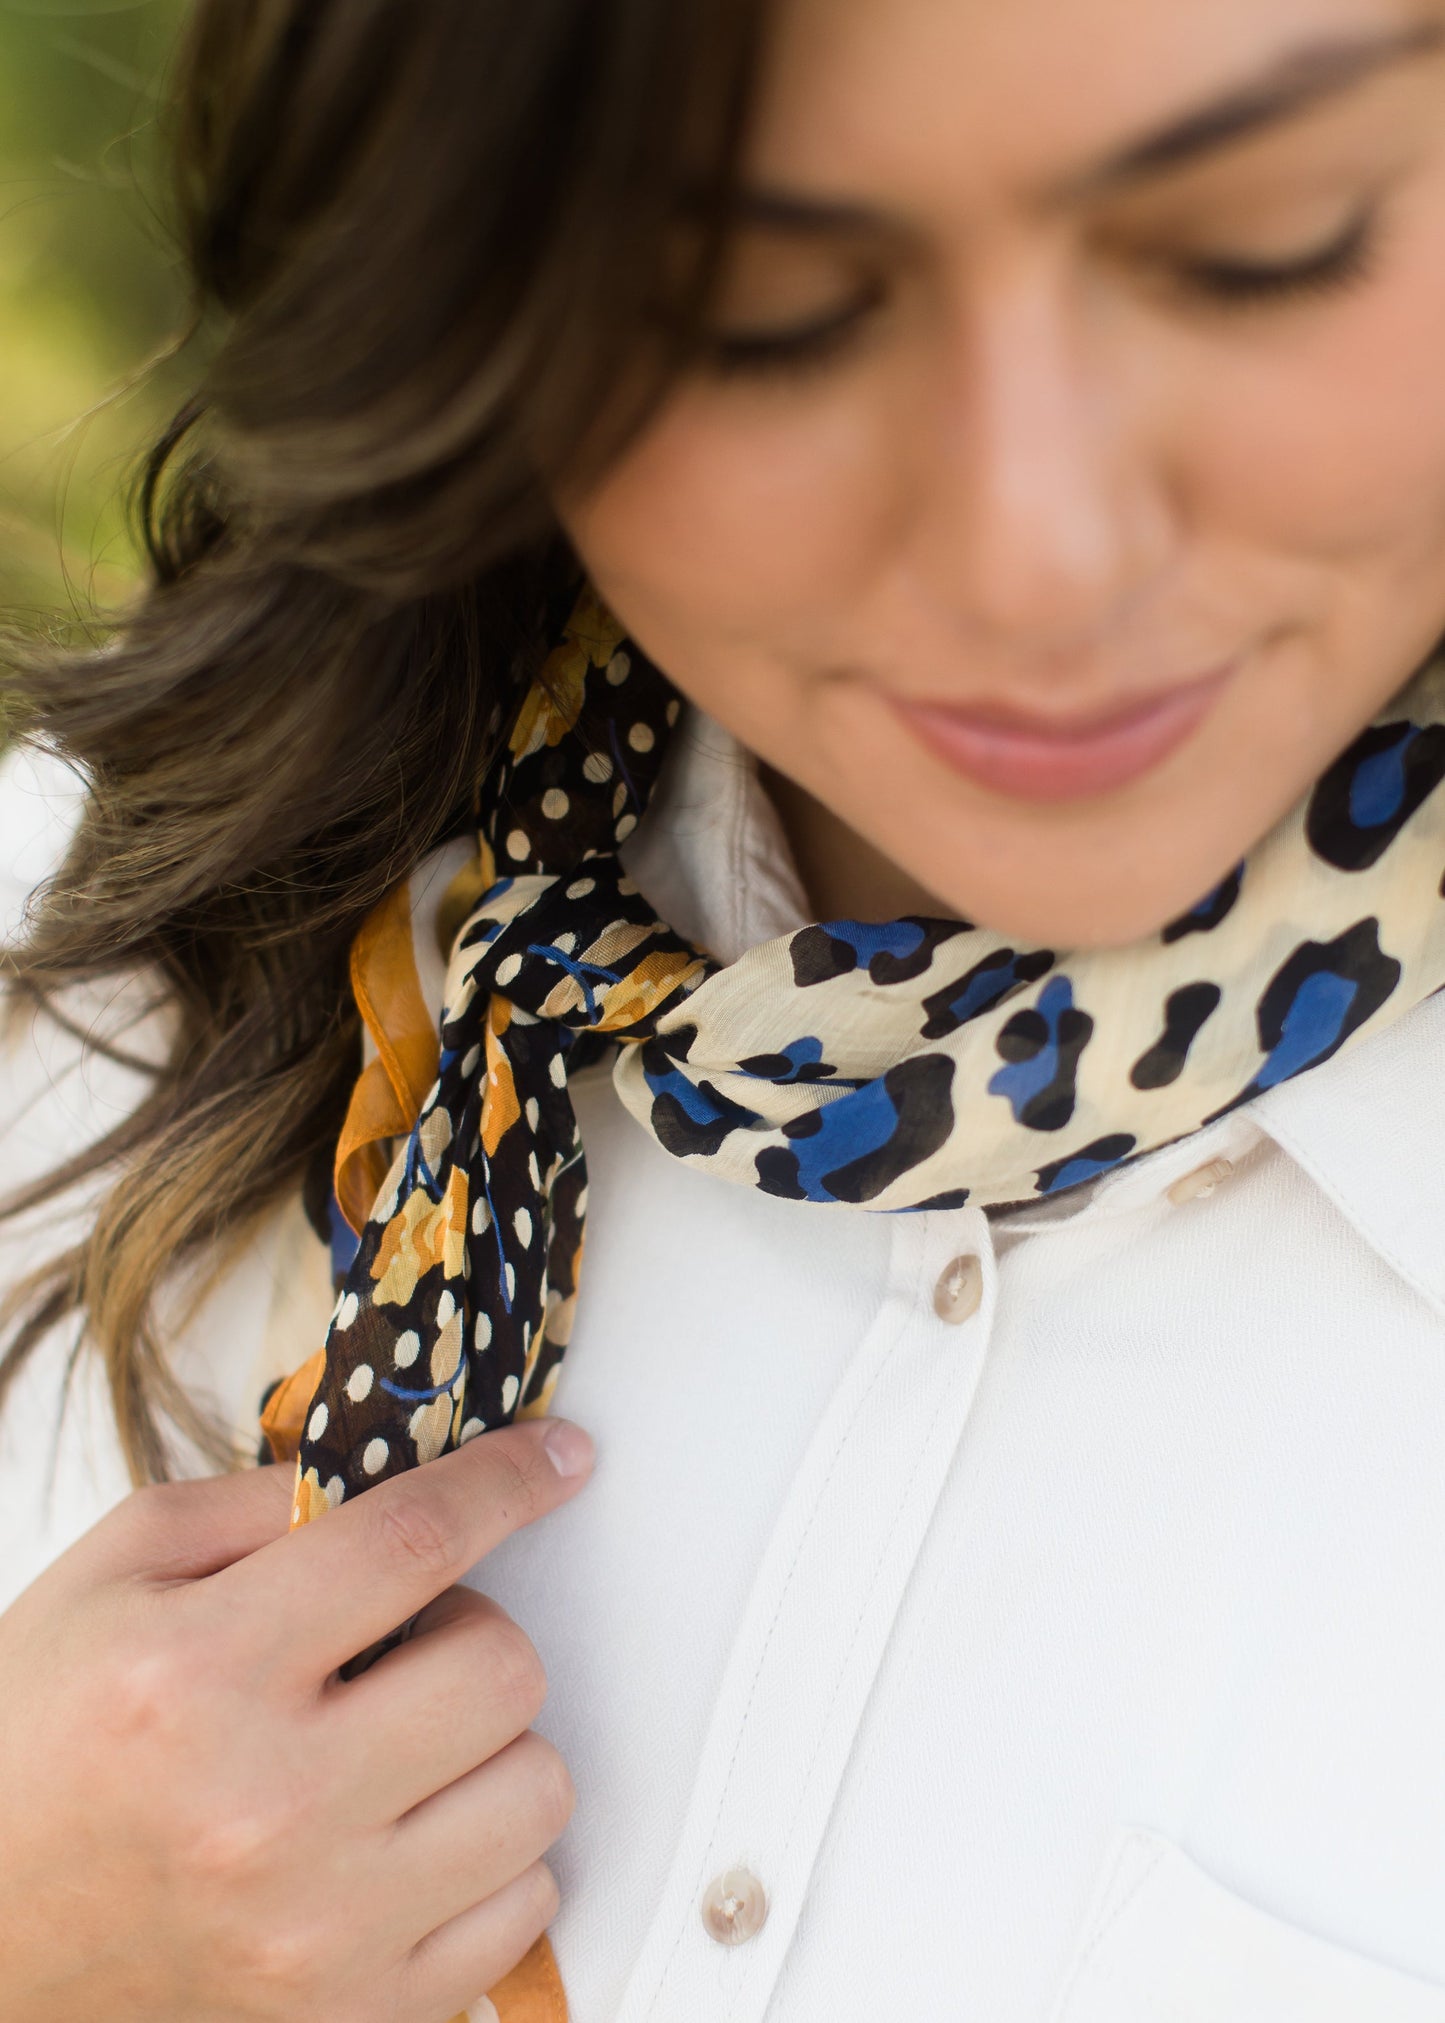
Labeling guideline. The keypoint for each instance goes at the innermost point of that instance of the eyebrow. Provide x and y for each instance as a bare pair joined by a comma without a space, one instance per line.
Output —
781,211
1294,84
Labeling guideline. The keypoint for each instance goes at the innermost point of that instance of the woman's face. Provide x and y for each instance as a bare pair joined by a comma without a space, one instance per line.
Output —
1064,483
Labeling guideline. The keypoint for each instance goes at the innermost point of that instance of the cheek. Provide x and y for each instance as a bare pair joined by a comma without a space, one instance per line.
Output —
742,517
1335,449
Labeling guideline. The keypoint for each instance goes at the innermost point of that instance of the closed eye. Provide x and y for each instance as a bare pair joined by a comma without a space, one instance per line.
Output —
793,347
1345,260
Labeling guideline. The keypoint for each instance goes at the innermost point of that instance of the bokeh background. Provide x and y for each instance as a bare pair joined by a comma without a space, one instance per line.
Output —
89,291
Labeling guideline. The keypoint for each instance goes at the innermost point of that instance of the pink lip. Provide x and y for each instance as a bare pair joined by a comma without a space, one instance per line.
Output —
1063,760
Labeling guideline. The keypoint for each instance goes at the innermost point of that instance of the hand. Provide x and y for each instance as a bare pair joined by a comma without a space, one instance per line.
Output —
201,1822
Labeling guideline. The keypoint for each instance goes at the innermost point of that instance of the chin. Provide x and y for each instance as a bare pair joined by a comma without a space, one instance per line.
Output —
1081,878
1110,913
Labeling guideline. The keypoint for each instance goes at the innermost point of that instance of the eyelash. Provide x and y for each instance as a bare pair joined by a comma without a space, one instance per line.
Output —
1343,263
1228,285
784,353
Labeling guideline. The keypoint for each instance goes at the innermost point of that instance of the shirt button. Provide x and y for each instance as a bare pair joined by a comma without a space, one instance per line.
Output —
1200,1184
959,1293
735,1907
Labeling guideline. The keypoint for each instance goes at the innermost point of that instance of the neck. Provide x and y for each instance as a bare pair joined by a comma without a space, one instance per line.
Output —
844,876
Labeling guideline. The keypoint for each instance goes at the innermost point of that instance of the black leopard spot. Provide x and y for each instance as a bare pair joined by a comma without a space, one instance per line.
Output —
893,951
1186,1013
689,1119
983,989
777,1171
676,1044
893,966
817,957
1366,798
1100,1157
851,1149
1316,1000
1210,913
801,1062
1043,1047
920,1092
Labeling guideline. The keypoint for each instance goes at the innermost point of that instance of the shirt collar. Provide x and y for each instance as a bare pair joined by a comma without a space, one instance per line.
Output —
1369,1129
710,852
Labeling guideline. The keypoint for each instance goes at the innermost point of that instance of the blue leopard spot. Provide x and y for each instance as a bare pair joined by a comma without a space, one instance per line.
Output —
801,1061
1211,912
893,951
1042,1048
1312,1028
689,1119
838,947
1321,996
853,1149
985,987
482,933
1369,795
481,927
1100,1157
344,1242
869,940
1377,791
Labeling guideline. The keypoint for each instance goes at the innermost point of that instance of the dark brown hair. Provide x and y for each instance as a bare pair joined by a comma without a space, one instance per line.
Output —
455,248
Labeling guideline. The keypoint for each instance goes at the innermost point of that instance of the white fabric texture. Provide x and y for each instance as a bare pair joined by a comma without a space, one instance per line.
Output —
937,1625
1165,1940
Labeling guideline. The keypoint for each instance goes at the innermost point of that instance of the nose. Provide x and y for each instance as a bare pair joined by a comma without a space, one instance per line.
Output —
1044,517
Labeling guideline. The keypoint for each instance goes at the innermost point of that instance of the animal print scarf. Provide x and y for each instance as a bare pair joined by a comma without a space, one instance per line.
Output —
920,1064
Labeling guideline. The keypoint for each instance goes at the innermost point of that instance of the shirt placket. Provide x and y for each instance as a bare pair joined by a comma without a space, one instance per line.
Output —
815,1630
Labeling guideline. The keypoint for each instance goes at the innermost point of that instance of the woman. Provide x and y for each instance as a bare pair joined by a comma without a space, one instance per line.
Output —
1013,1339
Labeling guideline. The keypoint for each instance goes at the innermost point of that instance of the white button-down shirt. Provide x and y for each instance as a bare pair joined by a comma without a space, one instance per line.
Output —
1039,1621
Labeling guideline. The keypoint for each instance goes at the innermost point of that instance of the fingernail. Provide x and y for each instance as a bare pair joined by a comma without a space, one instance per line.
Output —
569,1449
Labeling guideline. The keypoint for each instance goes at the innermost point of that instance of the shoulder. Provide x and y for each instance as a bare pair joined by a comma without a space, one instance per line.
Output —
66,1079
62,1084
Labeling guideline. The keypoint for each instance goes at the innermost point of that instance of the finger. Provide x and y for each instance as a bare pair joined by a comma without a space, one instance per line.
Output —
478,1835
457,1604
451,1970
347,1580
466,1683
186,1531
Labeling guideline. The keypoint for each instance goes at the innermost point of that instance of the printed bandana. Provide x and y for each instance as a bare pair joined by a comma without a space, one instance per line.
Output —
919,1064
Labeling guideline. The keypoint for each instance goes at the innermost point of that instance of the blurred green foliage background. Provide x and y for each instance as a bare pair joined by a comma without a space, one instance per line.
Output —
89,291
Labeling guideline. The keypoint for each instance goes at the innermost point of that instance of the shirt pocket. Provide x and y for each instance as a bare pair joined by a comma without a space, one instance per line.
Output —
1164,1943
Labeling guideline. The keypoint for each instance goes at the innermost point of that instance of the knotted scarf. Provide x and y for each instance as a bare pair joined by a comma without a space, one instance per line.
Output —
918,1064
